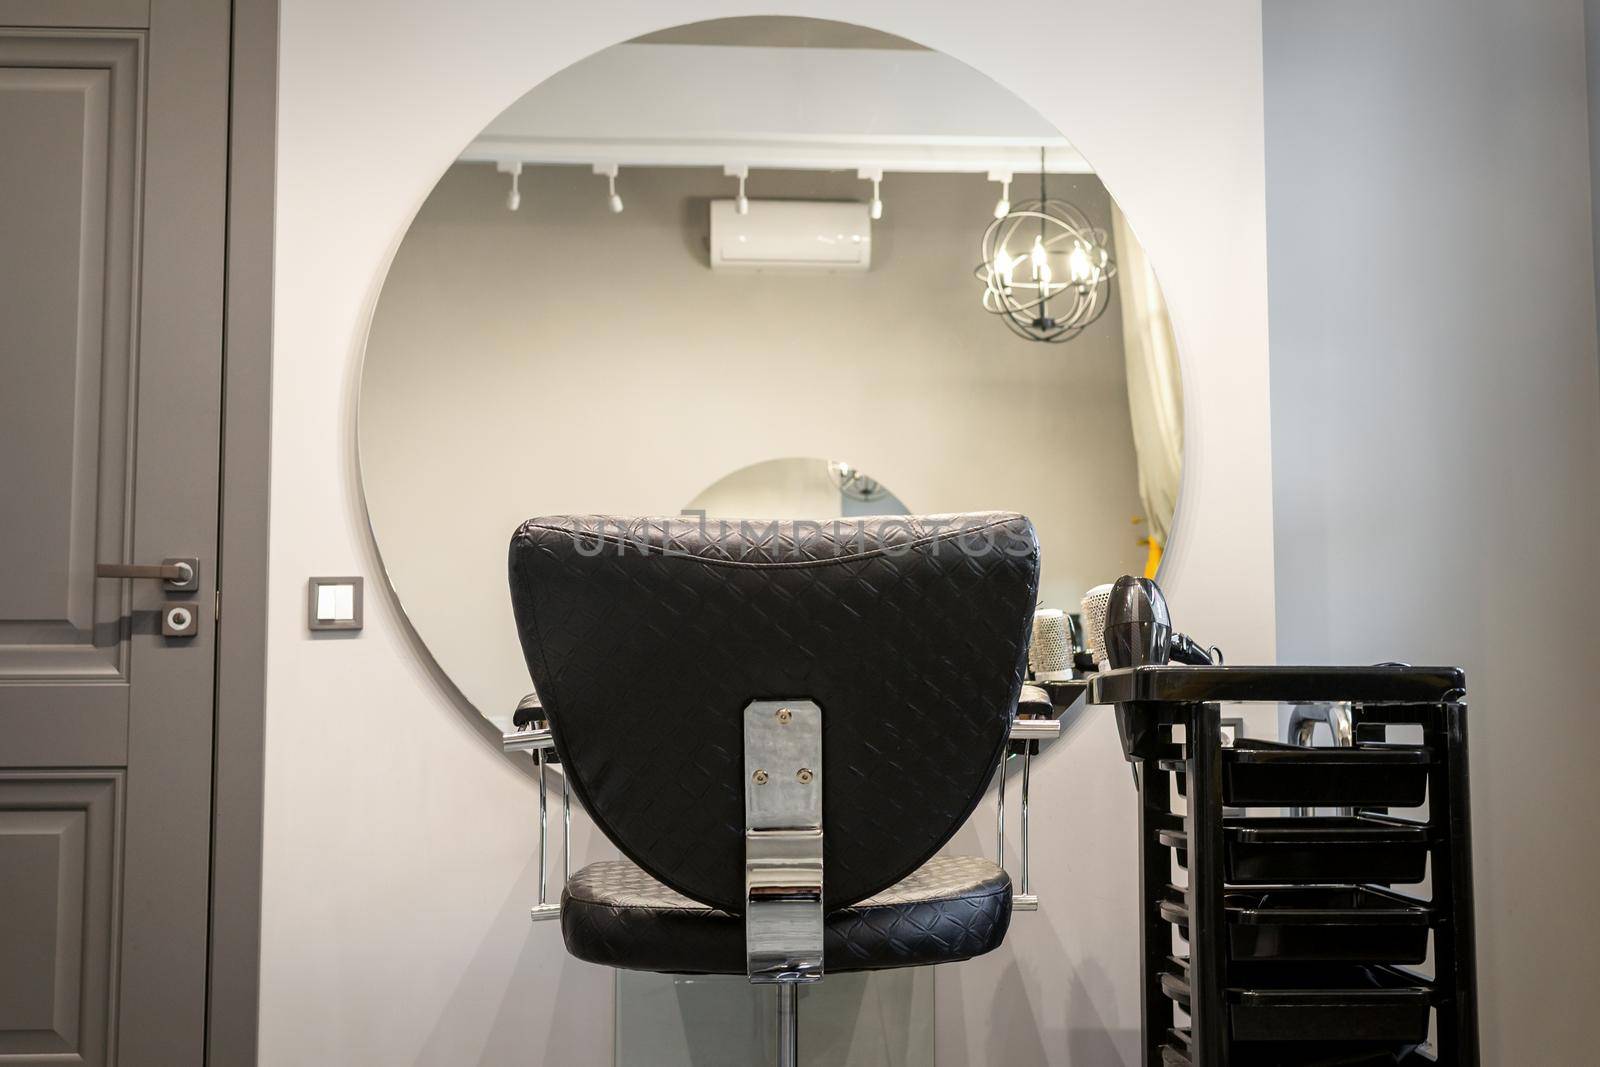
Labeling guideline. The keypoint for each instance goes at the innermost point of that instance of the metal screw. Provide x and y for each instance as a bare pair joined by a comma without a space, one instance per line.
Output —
784,715
760,777
803,775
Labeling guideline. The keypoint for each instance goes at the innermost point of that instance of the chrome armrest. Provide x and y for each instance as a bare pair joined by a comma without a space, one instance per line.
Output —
1022,729
536,738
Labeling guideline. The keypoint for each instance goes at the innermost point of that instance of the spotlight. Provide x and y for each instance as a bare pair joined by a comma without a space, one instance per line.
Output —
875,176
1002,207
609,170
742,203
513,168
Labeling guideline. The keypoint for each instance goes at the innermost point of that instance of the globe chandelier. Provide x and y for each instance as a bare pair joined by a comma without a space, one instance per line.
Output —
1046,270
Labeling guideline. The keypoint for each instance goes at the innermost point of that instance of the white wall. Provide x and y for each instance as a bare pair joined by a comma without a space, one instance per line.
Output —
1436,429
397,840
564,360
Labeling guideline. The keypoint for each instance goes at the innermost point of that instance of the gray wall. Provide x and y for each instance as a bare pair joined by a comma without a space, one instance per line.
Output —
1436,427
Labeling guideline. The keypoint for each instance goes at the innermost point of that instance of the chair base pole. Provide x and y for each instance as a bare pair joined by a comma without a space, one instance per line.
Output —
788,1024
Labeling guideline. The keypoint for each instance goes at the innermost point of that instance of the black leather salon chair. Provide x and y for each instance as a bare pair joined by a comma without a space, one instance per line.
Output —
779,725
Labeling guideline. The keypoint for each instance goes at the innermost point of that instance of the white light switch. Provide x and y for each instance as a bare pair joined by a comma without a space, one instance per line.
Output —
344,602
326,602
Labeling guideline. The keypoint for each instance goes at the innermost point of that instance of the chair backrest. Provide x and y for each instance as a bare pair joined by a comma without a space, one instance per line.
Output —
647,637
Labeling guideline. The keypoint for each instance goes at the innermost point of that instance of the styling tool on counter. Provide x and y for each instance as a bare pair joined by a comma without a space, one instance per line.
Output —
1050,653
1138,629
1094,623
1138,633
1138,624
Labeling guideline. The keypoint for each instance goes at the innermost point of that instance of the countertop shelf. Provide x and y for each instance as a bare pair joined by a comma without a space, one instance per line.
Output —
1386,684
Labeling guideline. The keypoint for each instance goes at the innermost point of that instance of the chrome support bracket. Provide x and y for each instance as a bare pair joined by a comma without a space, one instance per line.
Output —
537,741
783,840
1022,730
1035,729
529,740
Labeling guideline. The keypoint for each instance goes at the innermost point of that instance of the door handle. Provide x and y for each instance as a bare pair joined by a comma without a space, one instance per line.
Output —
177,575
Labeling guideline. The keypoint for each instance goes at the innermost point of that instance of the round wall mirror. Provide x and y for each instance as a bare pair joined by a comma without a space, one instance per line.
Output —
760,268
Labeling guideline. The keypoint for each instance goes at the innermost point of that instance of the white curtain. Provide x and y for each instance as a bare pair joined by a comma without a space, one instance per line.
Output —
1155,392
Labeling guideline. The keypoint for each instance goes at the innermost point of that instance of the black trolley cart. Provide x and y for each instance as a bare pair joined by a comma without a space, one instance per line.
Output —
1299,952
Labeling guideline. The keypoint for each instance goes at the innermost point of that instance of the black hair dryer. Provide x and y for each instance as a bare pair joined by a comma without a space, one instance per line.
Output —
1139,629
1139,634
1138,624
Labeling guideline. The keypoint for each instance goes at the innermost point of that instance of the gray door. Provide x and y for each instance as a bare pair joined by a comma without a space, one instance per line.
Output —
112,179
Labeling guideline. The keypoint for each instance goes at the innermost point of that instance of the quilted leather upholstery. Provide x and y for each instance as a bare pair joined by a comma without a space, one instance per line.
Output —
953,908
646,638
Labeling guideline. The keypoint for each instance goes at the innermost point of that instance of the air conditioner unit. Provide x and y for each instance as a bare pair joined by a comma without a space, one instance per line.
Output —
797,235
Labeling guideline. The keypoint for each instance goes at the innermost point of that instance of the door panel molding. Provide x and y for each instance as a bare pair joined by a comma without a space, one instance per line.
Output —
76,101
60,843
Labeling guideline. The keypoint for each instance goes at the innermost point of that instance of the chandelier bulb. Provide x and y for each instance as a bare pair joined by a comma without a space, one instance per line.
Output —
1004,265
1078,262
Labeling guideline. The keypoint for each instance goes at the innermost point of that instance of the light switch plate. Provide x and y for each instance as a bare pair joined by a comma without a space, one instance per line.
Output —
333,603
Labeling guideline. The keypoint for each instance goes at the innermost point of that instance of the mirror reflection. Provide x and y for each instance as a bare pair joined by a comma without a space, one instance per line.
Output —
667,276
796,487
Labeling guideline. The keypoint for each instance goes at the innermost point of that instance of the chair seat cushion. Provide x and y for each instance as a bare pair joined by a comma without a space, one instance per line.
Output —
952,908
